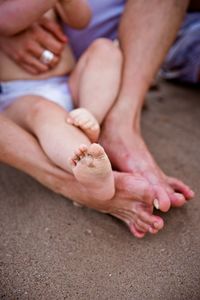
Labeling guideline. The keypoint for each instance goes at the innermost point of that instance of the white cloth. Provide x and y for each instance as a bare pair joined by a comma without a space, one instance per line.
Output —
54,89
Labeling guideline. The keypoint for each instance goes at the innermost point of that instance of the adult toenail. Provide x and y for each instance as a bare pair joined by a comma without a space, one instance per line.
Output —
180,196
150,229
77,204
192,194
156,203
156,225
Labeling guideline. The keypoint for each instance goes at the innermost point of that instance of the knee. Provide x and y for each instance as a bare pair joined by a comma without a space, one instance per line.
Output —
106,49
38,108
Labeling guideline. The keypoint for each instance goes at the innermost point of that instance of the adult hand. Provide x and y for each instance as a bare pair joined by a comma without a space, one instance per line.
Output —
27,47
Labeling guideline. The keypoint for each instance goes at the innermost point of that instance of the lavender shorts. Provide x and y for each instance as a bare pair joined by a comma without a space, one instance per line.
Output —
183,60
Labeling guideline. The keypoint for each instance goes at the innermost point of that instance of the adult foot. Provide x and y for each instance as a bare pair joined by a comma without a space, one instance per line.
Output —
132,203
83,119
133,156
92,168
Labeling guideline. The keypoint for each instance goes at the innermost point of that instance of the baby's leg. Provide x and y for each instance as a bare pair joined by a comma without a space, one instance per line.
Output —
61,142
95,81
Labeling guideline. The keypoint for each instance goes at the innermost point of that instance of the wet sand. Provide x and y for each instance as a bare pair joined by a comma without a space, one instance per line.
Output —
50,249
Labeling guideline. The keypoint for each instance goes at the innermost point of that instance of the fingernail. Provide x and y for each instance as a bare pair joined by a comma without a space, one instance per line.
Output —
156,203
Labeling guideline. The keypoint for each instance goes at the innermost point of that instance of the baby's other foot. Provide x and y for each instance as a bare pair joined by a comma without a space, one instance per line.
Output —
92,168
83,119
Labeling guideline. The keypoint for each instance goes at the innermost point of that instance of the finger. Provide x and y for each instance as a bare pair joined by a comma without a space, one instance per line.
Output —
54,28
36,50
29,69
36,64
54,61
48,42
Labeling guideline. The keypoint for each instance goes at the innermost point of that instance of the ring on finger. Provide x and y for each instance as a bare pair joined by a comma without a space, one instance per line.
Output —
47,57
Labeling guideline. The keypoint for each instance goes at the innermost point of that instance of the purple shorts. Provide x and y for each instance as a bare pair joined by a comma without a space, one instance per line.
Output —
104,23
183,60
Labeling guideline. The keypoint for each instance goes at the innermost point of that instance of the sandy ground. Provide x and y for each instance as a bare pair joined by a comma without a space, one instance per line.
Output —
50,249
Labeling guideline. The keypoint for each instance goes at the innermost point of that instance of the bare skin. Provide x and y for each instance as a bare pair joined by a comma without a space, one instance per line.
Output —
45,34
167,190
61,142
92,168
136,63
26,155
82,118
132,203
23,16
44,118
133,155
61,134
90,164
28,14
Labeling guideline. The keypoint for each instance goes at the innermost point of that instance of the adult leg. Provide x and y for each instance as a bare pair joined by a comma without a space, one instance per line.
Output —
183,59
61,141
134,192
21,150
147,30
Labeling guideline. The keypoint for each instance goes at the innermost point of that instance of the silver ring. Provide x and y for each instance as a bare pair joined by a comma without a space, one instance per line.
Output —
46,57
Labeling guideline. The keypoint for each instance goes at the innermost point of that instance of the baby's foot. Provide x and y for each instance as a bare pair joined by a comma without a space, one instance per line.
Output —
92,168
83,119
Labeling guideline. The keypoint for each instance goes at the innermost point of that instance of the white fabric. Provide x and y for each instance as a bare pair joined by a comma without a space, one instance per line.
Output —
54,89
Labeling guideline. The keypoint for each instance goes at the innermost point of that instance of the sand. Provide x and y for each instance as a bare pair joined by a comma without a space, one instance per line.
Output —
50,249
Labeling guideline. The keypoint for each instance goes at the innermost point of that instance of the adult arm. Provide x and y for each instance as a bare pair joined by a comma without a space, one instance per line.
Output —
75,13
146,32
26,47
16,15
21,150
